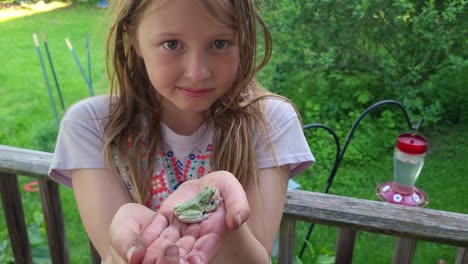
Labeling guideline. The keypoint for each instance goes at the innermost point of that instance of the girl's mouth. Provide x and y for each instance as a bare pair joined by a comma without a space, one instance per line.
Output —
194,92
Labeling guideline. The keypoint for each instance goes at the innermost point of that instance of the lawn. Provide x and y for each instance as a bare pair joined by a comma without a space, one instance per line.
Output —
27,121
26,115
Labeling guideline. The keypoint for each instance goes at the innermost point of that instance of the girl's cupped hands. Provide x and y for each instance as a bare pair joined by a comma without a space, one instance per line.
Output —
140,235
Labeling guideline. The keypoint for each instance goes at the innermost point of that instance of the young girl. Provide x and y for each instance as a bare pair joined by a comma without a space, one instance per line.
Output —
184,112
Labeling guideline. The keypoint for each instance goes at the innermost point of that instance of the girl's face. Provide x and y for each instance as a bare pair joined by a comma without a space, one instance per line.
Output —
191,60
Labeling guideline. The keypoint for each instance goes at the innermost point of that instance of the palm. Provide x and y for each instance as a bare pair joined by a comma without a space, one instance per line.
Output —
192,239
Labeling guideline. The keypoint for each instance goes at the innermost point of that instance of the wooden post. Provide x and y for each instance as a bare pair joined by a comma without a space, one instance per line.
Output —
53,218
14,214
286,241
404,251
345,245
462,256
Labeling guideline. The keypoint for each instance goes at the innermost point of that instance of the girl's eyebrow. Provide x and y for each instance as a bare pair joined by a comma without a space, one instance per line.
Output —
228,34
166,34
175,35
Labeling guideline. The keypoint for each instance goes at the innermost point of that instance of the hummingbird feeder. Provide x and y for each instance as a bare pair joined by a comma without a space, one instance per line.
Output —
408,161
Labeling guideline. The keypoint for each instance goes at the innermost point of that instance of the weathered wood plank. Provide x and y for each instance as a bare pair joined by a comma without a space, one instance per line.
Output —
286,241
373,216
53,218
345,245
404,251
24,161
14,215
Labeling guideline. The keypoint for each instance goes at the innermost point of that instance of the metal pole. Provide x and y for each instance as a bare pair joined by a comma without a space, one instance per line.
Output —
44,40
70,47
90,77
44,72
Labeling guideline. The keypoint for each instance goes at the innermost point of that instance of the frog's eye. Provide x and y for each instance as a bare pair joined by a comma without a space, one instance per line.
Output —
209,199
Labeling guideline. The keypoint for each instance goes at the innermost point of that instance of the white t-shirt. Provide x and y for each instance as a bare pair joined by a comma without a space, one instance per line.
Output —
180,158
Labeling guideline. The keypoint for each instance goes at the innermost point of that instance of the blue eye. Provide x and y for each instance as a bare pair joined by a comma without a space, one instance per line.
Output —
220,44
171,44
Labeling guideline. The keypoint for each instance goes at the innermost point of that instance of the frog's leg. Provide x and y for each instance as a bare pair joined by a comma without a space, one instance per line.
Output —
192,216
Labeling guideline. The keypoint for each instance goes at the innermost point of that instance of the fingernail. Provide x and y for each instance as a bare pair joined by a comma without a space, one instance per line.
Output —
239,220
172,251
130,253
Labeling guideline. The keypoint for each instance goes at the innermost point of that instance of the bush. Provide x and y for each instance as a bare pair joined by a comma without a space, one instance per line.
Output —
337,56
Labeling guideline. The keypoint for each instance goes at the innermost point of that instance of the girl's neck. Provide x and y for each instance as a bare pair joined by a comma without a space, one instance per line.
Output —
183,123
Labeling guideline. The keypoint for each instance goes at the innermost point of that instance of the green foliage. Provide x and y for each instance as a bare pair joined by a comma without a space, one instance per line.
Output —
44,136
5,254
450,88
317,255
335,58
346,54
37,238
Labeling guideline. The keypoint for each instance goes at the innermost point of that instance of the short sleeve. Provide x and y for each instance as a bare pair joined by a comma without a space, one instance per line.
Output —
287,137
80,139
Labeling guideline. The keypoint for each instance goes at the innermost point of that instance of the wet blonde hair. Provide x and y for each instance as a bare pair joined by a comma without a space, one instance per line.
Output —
135,114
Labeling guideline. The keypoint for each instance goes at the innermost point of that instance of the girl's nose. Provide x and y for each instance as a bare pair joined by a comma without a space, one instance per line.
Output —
197,67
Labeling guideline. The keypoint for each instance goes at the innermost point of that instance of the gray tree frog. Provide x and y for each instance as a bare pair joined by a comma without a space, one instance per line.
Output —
198,208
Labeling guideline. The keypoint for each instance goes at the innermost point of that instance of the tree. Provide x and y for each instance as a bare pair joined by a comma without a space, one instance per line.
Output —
351,52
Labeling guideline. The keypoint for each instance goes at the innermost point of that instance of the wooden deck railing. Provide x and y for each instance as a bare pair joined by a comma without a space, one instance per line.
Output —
350,215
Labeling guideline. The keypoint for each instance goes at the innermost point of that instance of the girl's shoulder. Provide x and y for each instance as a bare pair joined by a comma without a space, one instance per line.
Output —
272,103
277,111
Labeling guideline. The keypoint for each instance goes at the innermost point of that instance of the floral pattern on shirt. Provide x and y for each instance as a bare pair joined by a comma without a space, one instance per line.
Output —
171,172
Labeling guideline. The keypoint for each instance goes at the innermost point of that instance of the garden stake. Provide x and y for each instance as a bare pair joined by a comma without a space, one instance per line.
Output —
90,77
44,40
44,72
70,47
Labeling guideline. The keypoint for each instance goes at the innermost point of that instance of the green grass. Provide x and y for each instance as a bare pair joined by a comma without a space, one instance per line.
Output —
27,121
22,85
26,115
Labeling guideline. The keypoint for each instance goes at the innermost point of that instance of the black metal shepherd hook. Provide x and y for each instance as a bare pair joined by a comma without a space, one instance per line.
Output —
340,152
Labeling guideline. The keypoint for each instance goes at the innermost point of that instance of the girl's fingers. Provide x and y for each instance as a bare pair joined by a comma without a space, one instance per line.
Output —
135,255
235,199
205,249
188,239
125,229
114,257
162,251
154,229
171,255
